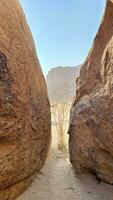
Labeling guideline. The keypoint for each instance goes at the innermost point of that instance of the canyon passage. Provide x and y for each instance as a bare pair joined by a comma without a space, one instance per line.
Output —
26,118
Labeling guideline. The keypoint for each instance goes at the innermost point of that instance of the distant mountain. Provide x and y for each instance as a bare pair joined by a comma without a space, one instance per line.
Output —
61,83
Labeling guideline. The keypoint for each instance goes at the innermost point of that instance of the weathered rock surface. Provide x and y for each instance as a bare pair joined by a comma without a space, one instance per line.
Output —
24,106
61,83
91,121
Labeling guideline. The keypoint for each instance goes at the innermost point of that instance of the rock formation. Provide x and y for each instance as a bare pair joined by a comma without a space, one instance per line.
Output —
24,106
91,121
61,83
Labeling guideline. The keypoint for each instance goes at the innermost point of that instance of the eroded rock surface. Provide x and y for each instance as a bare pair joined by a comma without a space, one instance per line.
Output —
91,122
24,106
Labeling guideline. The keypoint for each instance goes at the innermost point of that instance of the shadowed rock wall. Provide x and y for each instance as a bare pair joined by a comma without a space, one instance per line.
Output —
91,121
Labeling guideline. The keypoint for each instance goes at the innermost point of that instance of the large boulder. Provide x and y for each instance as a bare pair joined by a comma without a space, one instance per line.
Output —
91,121
24,107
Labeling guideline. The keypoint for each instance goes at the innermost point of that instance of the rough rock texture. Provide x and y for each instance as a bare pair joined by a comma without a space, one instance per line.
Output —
61,83
91,121
24,106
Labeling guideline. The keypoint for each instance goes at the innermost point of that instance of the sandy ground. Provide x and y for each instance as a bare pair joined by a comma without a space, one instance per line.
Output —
57,181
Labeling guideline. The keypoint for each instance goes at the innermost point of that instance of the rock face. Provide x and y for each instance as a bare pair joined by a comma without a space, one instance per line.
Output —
61,83
24,106
91,121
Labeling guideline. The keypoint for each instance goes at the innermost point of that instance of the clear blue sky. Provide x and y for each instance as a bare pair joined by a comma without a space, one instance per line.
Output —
63,30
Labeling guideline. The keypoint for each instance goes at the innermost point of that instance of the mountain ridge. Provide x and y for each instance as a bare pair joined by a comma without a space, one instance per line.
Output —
61,82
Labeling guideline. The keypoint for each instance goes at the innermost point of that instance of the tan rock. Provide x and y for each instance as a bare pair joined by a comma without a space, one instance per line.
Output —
61,83
24,106
91,122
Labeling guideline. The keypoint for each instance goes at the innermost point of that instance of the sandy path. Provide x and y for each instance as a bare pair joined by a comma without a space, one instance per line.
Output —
58,182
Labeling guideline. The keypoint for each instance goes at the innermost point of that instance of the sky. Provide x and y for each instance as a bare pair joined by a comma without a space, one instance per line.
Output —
63,30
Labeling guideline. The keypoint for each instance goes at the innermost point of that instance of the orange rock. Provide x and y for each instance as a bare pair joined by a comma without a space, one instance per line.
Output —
91,122
24,107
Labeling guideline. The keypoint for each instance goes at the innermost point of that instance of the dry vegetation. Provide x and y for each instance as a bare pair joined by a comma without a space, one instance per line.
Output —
60,119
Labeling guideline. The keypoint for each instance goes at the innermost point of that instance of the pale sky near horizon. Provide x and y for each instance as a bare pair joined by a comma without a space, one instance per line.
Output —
63,30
